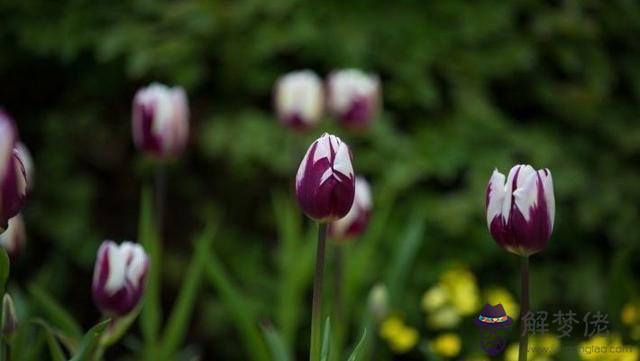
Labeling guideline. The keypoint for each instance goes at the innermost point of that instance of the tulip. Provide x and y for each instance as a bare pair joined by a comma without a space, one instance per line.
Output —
520,216
161,120
119,277
14,238
354,97
325,182
355,222
24,156
299,99
520,213
13,179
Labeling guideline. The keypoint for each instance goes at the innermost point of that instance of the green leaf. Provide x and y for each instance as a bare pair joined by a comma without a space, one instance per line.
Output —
4,270
326,340
55,313
55,351
244,318
90,341
176,328
276,344
151,316
403,259
359,345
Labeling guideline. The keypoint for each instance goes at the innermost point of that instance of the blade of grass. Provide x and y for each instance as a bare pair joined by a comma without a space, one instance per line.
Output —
90,341
178,321
326,340
55,351
358,347
151,316
55,313
276,344
289,234
235,303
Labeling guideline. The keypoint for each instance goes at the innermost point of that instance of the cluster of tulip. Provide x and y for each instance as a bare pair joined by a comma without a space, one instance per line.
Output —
519,208
351,96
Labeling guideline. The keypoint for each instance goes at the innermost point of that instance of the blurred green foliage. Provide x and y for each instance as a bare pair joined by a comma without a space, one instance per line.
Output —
468,86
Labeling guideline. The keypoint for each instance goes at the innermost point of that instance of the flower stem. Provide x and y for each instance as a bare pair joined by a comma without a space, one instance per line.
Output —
160,180
338,310
524,334
316,307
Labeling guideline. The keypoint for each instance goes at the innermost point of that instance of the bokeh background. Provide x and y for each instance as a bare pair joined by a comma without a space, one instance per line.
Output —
467,87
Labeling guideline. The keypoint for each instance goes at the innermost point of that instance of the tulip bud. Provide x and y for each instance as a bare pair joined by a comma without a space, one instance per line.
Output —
520,213
299,99
119,277
14,238
13,181
379,302
355,222
354,97
24,156
325,182
161,120
9,319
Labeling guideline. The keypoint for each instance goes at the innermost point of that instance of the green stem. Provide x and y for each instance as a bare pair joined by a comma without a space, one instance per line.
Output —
316,307
338,302
524,334
160,181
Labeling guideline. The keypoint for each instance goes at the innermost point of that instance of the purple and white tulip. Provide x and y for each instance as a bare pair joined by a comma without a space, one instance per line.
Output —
13,178
299,99
119,277
520,213
161,120
325,182
356,221
14,239
24,156
354,97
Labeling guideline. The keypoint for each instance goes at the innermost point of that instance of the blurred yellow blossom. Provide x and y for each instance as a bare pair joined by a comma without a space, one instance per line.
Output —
462,290
629,314
541,348
603,348
434,298
401,338
496,295
453,297
444,318
447,345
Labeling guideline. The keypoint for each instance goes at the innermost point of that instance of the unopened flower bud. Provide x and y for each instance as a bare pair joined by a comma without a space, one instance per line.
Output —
161,120
379,302
119,277
325,182
13,240
299,99
520,213
355,222
9,319
24,156
13,178
354,97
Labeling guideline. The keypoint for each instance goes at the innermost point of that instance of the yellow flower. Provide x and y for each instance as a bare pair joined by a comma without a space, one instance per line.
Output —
511,353
434,298
591,349
444,318
391,326
404,340
629,314
447,345
400,337
496,295
461,286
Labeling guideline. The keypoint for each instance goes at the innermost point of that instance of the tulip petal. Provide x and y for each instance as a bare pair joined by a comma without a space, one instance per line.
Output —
495,196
